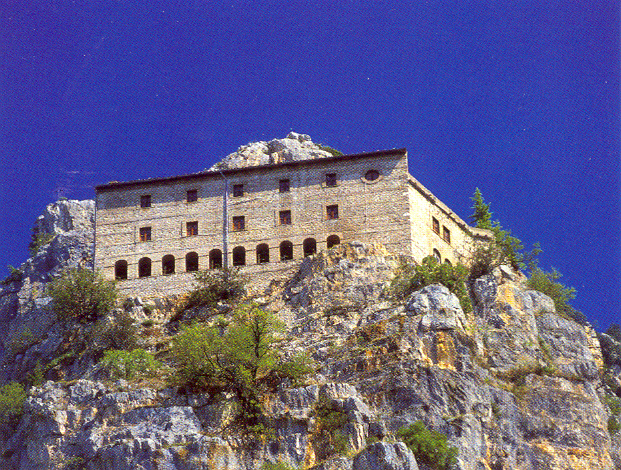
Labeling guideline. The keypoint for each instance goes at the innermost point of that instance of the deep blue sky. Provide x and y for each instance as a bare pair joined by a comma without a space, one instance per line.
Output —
519,98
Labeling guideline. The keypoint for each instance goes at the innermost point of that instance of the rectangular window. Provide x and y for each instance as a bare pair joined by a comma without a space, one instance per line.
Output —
145,201
285,217
436,225
145,234
238,190
192,195
191,228
330,179
332,212
284,186
446,234
239,223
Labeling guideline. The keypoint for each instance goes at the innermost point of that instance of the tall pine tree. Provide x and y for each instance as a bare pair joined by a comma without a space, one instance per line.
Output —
481,216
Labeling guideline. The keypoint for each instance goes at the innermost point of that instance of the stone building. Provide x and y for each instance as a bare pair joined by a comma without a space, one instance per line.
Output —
153,234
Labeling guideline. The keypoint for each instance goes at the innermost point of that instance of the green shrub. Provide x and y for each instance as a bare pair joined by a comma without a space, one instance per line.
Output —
334,152
215,285
330,421
82,294
613,425
429,447
15,275
614,331
130,364
38,240
276,466
411,278
12,398
545,282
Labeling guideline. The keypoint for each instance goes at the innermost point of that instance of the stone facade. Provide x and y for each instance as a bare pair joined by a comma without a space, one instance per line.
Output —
150,233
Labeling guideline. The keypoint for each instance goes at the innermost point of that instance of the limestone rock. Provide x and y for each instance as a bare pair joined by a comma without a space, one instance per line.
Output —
384,456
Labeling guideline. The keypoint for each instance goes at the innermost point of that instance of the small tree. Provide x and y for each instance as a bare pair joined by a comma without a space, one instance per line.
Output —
215,285
546,282
12,398
481,215
82,294
429,447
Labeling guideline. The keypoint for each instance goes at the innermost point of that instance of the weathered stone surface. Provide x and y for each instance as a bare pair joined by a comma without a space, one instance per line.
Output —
384,456
439,307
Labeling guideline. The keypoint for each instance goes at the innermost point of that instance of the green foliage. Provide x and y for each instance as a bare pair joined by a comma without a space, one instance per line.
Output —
613,425
38,240
276,466
37,375
614,331
429,447
611,349
120,333
23,341
12,398
15,275
334,152
130,364
74,463
546,282
481,215
295,369
411,278
215,285
239,357
82,294
330,421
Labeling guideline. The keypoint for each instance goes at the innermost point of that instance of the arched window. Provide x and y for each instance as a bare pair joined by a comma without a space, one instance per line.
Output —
168,264
436,255
239,256
286,251
191,261
447,261
120,269
263,253
215,259
310,247
144,267
333,240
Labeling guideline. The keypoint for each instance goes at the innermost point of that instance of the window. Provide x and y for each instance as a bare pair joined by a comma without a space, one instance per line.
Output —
144,267
263,253
286,251
145,201
215,259
435,225
239,223
371,175
285,217
238,190
284,186
446,234
333,240
145,234
332,212
120,270
436,255
330,179
192,195
191,262
191,228
239,256
310,247
168,265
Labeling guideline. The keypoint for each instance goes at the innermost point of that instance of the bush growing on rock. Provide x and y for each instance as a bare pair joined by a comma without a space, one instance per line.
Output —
12,398
429,447
130,364
82,294
546,282
411,278
215,285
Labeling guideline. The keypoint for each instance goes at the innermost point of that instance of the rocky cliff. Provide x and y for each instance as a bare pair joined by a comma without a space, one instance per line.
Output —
511,384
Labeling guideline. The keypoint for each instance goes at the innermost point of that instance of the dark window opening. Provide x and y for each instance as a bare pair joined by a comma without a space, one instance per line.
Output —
239,256
191,262
285,217
446,234
192,195
238,190
191,228
144,267
286,251
145,234
263,253
215,259
330,179
332,212
436,255
333,240
310,247
239,223
435,224
168,264
145,201
371,175
284,186
120,269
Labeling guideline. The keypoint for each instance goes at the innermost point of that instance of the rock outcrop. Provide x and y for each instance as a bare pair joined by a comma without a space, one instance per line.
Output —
294,147
511,384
